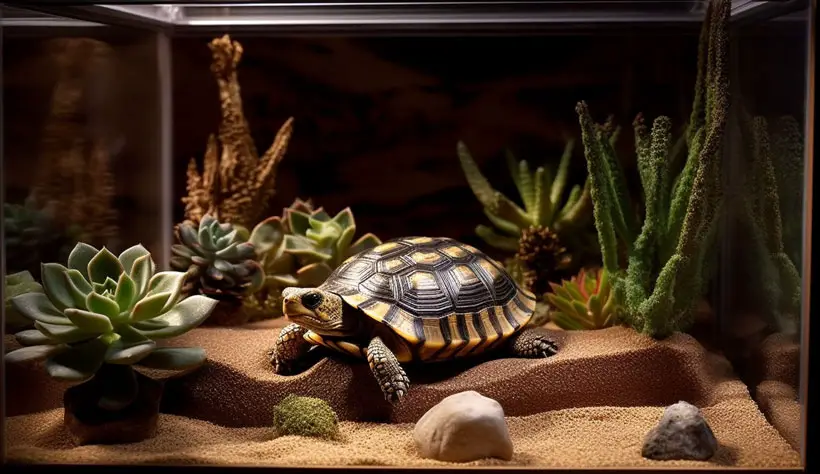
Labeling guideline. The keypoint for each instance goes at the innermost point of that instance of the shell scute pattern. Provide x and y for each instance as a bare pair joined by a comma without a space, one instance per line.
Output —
446,298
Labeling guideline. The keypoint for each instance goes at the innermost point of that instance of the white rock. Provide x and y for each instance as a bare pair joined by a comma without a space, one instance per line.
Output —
462,428
682,433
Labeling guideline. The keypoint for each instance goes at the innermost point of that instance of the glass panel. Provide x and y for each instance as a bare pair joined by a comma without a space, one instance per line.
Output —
368,213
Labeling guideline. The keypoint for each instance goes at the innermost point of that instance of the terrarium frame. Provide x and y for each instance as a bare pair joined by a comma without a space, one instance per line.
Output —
168,21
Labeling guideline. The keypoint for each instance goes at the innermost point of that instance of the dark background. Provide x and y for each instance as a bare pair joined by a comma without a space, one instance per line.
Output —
377,119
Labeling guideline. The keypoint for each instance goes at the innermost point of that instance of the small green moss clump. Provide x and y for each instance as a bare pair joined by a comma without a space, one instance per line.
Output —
305,416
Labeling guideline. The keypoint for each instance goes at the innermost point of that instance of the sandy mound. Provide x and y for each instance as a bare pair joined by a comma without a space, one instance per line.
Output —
611,367
778,379
581,437
588,406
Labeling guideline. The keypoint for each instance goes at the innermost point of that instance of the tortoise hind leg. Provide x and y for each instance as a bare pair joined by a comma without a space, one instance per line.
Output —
291,349
388,372
532,344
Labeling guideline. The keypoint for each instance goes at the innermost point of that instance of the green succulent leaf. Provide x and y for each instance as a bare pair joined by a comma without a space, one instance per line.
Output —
143,270
174,358
479,184
301,246
130,255
32,337
79,363
312,275
150,306
566,322
343,243
188,235
267,235
344,218
365,242
55,286
64,334
231,252
228,238
503,225
101,305
19,278
205,236
32,353
299,222
126,292
80,257
320,215
91,322
129,349
167,282
78,287
186,315
103,266
37,307
148,325
562,304
182,251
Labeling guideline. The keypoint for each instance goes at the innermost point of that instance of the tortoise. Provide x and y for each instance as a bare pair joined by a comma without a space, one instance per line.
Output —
411,299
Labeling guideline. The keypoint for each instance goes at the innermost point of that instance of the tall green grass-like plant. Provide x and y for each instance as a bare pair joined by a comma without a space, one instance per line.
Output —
664,274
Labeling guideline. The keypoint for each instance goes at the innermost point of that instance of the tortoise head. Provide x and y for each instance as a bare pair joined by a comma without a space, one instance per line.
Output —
317,310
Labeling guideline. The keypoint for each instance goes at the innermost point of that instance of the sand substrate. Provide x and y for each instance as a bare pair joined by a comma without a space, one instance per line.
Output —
778,363
588,406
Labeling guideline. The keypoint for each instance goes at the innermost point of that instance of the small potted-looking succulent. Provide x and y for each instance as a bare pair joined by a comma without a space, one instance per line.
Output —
97,321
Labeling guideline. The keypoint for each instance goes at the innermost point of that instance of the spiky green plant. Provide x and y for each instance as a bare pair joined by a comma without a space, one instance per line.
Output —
303,248
584,301
542,195
110,310
17,284
218,258
777,275
667,260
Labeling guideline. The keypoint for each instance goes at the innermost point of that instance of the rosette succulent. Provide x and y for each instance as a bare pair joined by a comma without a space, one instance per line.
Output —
14,285
304,246
583,302
218,258
110,310
32,235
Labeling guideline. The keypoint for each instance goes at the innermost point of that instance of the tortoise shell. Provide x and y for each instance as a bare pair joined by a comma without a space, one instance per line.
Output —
444,298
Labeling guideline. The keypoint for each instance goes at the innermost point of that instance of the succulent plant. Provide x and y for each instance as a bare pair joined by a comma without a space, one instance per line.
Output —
14,285
104,309
584,301
303,247
218,258
32,235
541,194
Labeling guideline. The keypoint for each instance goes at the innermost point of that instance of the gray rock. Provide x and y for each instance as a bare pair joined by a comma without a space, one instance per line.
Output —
462,428
681,434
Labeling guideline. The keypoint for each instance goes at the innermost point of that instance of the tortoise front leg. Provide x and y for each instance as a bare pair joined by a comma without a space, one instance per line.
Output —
532,344
291,348
387,370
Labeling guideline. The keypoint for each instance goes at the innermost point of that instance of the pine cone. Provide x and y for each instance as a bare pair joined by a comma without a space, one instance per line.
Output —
543,257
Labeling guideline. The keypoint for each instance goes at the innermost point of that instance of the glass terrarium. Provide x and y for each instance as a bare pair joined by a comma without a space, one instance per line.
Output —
538,234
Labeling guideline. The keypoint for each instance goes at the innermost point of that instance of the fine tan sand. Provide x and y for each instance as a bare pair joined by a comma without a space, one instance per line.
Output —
588,406
779,365
580,437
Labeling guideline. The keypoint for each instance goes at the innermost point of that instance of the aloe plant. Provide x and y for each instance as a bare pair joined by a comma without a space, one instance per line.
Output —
218,258
304,246
14,285
541,192
107,310
584,301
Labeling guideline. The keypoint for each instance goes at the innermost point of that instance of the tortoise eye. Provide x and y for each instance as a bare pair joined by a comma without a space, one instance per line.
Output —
312,300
